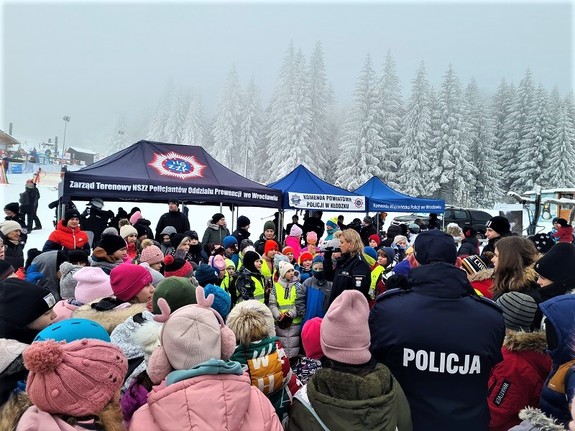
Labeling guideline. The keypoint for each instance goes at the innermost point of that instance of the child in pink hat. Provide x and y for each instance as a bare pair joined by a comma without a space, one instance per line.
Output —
73,386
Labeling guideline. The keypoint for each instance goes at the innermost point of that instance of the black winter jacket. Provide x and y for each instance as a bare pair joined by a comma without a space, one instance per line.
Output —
351,272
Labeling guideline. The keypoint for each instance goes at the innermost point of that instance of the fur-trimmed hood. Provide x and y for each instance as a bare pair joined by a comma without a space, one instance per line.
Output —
111,318
484,274
535,420
526,341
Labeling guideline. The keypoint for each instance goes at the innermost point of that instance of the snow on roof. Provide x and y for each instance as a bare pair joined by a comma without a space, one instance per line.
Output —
81,150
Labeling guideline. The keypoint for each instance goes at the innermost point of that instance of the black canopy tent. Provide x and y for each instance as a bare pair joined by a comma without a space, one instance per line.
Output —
154,172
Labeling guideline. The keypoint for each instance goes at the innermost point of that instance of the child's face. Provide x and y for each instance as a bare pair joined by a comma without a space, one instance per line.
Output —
402,244
317,267
269,233
306,263
156,266
258,264
230,270
271,253
131,239
372,243
44,320
290,256
185,246
289,274
120,254
382,260
166,239
194,241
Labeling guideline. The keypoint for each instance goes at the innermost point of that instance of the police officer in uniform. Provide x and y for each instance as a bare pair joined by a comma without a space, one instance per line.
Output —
439,339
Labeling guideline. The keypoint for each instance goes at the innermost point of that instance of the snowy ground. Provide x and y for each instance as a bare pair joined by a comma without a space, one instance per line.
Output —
198,215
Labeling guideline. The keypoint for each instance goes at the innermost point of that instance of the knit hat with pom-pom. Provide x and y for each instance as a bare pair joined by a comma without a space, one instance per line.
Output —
177,267
76,379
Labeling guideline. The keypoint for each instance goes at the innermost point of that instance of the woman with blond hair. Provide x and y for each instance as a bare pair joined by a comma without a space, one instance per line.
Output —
513,260
351,270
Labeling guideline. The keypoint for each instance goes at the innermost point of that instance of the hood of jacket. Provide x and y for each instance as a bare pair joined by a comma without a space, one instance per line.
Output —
221,401
215,226
526,341
560,311
357,402
111,318
34,419
46,264
484,274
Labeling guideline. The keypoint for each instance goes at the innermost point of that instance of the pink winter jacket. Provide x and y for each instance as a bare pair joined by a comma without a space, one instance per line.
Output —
37,420
222,402
293,242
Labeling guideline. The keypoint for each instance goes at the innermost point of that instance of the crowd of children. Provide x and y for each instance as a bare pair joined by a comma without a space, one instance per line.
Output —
170,332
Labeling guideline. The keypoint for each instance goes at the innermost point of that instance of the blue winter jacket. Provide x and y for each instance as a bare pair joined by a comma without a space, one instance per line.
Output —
560,312
440,340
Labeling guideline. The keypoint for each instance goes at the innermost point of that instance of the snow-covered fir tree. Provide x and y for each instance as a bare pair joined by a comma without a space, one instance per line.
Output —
321,99
555,103
517,170
456,174
415,149
562,157
119,139
226,130
390,116
194,125
250,131
501,109
175,125
289,139
481,149
361,146
534,154
157,128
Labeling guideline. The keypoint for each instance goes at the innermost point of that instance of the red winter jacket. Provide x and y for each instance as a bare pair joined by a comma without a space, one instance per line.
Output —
565,234
517,381
67,238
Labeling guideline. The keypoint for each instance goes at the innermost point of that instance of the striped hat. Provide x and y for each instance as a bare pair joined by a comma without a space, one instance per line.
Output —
518,310
473,264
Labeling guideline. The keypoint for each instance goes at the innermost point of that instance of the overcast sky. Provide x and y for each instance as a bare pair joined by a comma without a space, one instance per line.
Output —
97,62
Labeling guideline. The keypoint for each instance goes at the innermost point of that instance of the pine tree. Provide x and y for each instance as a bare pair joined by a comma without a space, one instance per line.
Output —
289,120
194,125
175,124
415,144
157,128
321,99
485,189
360,146
562,157
555,103
452,143
535,150
390,116
226,130
516,169
250,131
119,139
501,109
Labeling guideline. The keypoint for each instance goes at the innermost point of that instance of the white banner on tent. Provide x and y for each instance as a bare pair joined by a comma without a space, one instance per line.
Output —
324,202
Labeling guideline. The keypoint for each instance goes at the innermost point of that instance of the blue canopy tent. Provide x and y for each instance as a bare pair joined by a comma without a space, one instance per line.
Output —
302,189
381,197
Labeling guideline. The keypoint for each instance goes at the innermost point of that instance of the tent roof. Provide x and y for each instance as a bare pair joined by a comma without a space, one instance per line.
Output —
303,189
381,197
155,171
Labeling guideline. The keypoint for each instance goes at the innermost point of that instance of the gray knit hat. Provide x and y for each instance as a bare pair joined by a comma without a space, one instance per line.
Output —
518,310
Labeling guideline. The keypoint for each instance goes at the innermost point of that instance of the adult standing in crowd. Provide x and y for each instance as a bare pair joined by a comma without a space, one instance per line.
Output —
68,235
173,218
214,233
351,270
496,228
368,229
242,232
12,212
29,205
94,219
443,349
10,234
315,223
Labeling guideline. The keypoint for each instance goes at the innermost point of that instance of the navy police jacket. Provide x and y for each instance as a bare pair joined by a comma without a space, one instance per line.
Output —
440,340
